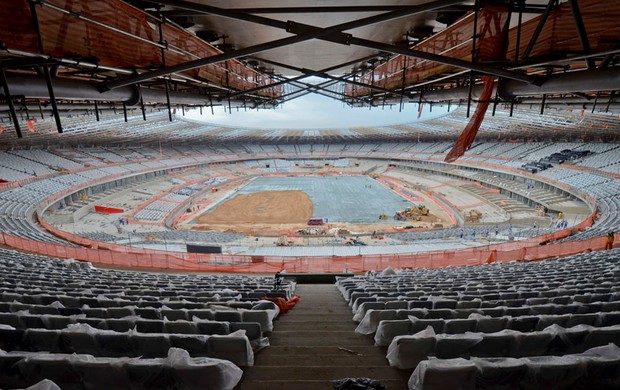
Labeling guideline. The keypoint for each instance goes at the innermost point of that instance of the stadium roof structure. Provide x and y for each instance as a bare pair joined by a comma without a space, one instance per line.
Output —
67,57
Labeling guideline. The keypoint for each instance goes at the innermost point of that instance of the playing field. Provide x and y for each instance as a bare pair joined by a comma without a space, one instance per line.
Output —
345,199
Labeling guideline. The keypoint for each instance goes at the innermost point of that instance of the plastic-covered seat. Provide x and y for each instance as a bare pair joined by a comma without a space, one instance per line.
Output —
473,304
420,304
79,340
419,325
499,373
213,327
195,345
31,321
396,305
496,344
184,327
114,344
59,369
444,314
203,314
517,311
552,372
523,323
531,344
150,345
406,352
455,374
371,320
460,325
145,374
444,304
493,311
120,312
491,325
602,367
582,319
148,313
103,373
42,340
150,326
603,336
11,319
405,314
95,312
188,373
609,319
56,321
361,311
120,324
450,346
175,314
388,329
263,317
234,347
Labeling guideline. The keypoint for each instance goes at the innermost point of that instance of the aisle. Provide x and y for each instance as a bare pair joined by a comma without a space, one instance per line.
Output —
315,343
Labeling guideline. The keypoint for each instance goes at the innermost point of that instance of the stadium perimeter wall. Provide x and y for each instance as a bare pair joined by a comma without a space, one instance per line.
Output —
536,248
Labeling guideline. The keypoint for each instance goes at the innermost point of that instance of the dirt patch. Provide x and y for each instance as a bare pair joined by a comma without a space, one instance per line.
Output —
268,207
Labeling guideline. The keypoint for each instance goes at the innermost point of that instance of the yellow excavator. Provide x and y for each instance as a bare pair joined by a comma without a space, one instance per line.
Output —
414,213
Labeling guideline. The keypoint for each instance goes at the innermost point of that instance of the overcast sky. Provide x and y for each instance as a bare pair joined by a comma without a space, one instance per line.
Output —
315,112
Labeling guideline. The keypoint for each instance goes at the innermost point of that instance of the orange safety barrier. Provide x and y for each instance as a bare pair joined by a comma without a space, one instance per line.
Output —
108,210
118,255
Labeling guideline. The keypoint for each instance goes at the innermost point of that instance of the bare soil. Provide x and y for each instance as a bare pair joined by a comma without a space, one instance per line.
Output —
268,207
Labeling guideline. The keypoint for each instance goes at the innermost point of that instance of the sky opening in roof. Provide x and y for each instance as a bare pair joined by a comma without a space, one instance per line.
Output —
314,111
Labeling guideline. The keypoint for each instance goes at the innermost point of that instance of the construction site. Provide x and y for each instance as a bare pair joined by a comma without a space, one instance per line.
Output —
315,206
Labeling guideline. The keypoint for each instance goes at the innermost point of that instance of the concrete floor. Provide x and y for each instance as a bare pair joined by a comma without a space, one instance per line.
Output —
314,344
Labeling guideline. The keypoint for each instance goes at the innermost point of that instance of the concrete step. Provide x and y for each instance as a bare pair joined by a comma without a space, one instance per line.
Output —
315,372
346,359
320,318
319,350
310,384
326,341
302,325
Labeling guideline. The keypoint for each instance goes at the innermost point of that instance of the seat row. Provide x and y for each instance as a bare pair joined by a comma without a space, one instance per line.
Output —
198,326
82,338
372,318
596,368
408,351
264,316
388,329
78,371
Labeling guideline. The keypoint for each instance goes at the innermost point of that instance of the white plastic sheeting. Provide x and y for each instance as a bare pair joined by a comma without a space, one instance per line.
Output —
595,368
97,373
405,351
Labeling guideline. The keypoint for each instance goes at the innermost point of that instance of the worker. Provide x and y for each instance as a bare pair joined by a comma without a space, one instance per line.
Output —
609,240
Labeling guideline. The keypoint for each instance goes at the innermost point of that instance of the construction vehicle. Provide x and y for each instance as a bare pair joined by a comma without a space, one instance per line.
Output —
283,241
473,216
414,213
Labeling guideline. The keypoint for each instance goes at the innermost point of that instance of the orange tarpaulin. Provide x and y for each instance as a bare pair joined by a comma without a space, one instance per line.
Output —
469,134
108,210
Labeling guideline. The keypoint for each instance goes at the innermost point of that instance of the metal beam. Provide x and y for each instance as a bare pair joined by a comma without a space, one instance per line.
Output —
303,76
322,9
444,60
317,87
324,75
312,33
7,92
539,27
581,31
46,72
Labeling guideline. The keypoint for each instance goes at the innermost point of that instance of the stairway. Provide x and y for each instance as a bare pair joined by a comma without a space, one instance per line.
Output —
314,344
